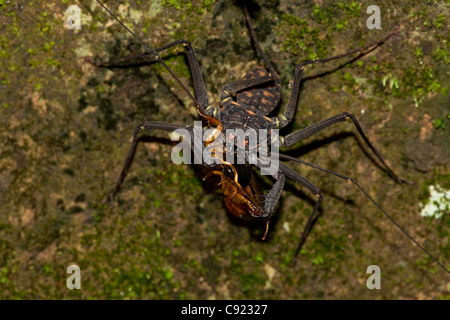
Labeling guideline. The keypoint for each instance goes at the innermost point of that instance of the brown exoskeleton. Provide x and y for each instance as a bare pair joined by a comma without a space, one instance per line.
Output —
247,104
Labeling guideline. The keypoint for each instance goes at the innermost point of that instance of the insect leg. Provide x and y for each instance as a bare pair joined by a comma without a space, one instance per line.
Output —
142,126
300,135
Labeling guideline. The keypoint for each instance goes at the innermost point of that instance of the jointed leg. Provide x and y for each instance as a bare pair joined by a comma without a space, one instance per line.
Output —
300,135
255,40
143,126
291,174
288,115
239,85
274,195
286,157
199,85
261,78
120,61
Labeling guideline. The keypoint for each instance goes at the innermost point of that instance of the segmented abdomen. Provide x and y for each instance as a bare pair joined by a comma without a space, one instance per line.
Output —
261,99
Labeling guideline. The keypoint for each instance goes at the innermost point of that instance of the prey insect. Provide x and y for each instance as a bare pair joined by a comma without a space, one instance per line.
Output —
247,104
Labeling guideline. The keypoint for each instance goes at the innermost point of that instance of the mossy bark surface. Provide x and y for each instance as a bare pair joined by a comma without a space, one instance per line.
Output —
66,127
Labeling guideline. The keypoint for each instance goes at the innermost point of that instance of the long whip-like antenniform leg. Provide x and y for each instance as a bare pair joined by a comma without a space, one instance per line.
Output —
295,137
286,157
197,78
200,107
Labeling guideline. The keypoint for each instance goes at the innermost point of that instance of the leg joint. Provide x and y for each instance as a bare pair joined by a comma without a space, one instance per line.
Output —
186,43
348,115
